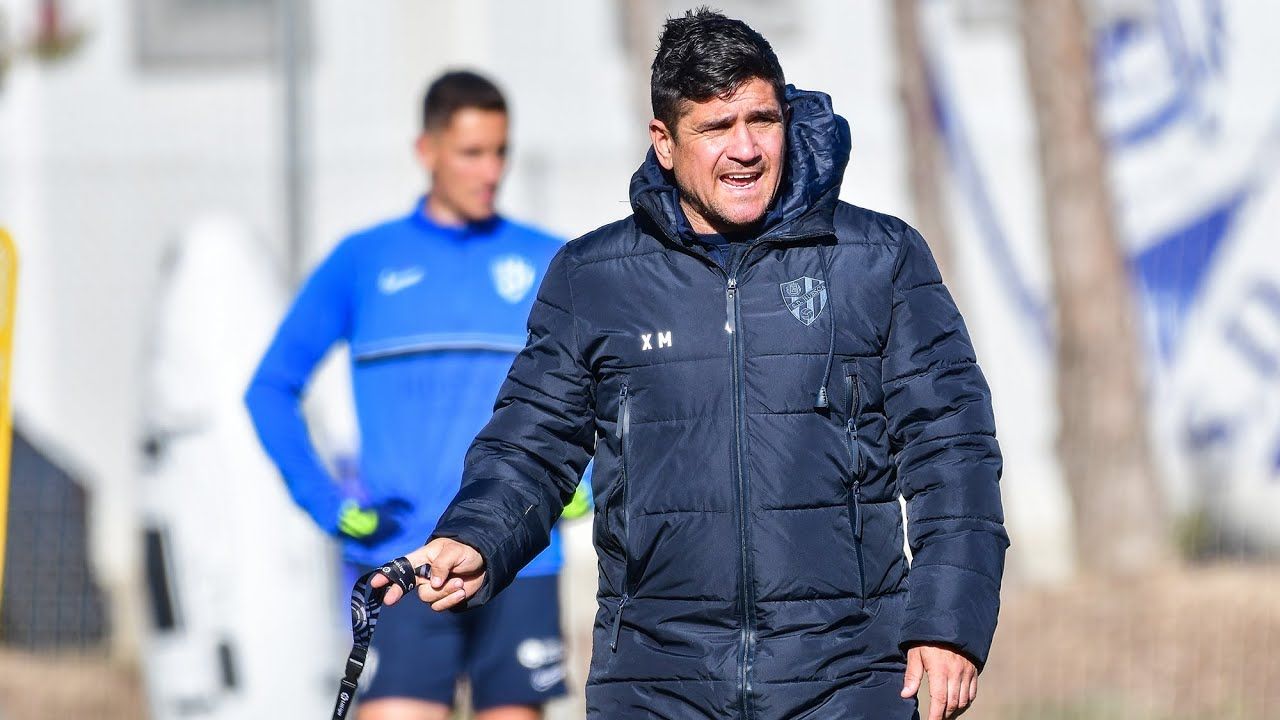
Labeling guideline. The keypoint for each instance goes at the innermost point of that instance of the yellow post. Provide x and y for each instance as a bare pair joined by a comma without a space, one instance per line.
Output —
8,296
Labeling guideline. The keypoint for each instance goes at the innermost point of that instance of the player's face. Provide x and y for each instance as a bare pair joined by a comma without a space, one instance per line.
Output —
727,156
465,160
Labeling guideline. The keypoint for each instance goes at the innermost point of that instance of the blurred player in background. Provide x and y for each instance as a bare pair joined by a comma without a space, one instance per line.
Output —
433,305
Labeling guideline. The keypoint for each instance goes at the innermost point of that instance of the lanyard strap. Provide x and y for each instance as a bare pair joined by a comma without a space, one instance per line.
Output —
366,605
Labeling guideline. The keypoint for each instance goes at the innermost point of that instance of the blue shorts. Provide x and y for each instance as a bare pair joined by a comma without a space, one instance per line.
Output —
510,649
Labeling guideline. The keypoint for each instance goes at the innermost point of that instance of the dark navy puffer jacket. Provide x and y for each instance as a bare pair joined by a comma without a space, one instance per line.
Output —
753,429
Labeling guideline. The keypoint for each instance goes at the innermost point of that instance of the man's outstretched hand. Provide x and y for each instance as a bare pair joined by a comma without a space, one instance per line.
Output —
953,679
457,572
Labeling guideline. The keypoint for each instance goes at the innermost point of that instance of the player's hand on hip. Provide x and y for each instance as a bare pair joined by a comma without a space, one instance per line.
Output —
953,680
372,525
457,572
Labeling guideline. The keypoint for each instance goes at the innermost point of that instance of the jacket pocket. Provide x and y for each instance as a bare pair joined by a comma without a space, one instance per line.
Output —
622,432
853,407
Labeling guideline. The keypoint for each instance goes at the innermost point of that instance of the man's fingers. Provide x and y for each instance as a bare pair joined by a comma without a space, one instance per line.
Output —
440,556
448,557
470,562
911,681
418,557
429,594
973,688
937,698
392,594
456,569
954,705
449,601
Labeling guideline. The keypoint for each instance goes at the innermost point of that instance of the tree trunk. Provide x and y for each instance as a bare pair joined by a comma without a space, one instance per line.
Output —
1120,520
925,156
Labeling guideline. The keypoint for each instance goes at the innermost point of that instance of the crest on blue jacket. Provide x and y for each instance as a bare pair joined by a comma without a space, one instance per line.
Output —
512,277
805,297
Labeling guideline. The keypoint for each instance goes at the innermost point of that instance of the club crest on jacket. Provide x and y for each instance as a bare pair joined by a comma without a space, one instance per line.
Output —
805,297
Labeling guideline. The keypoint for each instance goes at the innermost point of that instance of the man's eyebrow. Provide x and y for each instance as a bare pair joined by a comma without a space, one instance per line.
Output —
715,123
724,121
765,114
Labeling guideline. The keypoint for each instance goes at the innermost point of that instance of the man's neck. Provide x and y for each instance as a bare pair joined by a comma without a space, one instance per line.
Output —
442,214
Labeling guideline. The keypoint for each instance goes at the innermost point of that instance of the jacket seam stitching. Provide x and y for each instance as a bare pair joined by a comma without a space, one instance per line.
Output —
944,365
943,518
623,256
573,315
953,436
962,568
927,283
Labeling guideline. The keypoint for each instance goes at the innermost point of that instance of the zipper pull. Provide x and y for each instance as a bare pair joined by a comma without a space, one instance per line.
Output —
728,305
624,413
617,624
857,511
851,432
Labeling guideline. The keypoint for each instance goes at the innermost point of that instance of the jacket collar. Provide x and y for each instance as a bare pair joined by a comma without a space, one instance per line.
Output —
421,220
816,155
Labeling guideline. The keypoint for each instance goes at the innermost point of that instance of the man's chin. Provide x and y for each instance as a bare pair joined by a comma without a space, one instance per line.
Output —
744,220
480,215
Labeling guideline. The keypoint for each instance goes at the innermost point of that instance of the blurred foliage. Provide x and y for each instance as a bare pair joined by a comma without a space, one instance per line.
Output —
1194,536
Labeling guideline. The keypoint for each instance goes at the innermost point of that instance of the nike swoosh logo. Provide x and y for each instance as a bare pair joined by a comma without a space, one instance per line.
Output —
393,281
542,680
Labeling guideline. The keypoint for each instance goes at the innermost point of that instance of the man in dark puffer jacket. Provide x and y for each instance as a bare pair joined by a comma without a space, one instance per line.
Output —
761,372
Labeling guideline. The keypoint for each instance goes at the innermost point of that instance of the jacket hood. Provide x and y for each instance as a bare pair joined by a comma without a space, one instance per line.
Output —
817,152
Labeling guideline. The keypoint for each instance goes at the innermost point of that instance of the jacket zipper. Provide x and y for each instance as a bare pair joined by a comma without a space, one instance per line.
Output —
744,540
732,323
855,468
623,429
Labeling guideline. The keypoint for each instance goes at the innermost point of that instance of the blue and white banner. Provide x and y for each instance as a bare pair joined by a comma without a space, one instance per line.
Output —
1190,112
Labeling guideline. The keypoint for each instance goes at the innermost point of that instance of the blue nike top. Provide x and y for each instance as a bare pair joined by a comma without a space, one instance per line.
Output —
434,316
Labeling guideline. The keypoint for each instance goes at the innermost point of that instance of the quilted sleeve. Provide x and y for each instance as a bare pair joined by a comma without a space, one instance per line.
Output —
942,435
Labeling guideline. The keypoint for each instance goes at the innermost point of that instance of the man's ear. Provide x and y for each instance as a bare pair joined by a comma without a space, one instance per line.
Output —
425,148
663,141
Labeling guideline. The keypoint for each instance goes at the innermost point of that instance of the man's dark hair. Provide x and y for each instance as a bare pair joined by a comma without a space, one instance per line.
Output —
704,55
457,90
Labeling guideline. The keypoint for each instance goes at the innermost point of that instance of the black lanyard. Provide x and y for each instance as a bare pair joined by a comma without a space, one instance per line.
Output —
366,605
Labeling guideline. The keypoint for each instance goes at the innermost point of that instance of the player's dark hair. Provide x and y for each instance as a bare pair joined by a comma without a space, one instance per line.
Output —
457,90
704,55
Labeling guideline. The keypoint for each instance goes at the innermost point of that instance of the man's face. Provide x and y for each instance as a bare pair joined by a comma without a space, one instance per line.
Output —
726,155
465,159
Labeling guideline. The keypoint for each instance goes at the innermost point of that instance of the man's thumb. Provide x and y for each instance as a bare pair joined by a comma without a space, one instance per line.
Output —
915,670
442,556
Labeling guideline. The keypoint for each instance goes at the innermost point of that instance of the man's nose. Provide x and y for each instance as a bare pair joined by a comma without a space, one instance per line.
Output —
743,147
493,168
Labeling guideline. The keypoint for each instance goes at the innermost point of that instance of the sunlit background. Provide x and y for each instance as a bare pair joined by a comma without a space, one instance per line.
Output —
169,169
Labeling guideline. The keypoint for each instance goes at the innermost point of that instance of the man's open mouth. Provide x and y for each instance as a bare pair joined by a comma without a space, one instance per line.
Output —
740,181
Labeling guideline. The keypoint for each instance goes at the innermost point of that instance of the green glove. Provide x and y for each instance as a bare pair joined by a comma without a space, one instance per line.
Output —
580,504
370,525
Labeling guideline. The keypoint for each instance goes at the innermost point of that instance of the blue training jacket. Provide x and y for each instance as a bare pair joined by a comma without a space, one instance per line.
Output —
434,316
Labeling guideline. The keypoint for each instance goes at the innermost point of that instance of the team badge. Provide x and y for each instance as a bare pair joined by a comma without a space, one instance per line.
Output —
512,277
805,297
